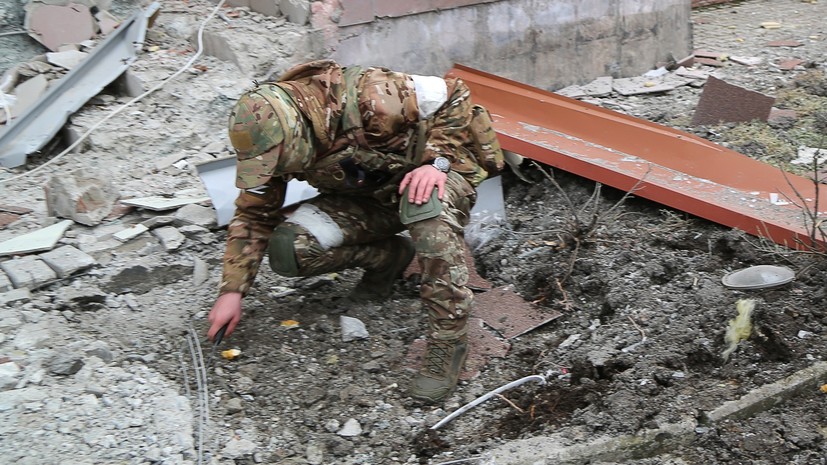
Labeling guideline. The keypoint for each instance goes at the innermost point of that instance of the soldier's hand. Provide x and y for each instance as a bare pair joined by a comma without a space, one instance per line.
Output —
225,311
422,181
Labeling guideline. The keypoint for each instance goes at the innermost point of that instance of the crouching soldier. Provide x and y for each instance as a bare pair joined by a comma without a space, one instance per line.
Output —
388,152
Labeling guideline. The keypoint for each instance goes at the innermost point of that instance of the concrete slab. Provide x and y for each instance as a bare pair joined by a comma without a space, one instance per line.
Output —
600,87
770,395
724,102
83,196
28,93
30,272
644,85
130,232
67,260
509,314
37,241
67,59
197,215
55,25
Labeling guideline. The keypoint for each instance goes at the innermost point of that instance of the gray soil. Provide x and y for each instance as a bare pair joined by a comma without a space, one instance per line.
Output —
105,363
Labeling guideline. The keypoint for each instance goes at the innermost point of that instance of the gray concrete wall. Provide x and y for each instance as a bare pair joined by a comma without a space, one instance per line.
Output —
545,43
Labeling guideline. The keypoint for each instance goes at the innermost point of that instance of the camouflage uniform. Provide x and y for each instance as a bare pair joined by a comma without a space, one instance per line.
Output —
356,155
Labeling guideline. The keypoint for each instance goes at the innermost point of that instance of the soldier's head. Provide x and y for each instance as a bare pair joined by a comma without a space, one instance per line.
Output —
270,136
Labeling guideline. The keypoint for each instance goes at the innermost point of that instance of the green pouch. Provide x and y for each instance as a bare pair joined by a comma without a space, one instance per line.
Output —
411,212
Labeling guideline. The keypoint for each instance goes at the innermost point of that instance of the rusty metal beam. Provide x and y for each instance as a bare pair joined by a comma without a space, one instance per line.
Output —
666,165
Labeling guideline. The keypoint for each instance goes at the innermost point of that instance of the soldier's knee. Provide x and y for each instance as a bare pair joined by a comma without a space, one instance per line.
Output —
281,249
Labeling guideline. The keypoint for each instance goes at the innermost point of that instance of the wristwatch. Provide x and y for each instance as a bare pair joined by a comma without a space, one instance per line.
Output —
442,164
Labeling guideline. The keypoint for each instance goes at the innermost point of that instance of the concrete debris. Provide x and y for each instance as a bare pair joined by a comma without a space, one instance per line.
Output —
746,61
30,272
648,85
194,214
27,93
350,429
15,296
37,241
724,102
806,156
84,197
55,25
34,128
170,237
352,329
131,232
66,59
67,260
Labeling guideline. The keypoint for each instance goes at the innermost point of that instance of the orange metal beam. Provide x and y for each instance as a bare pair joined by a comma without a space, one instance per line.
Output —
669,166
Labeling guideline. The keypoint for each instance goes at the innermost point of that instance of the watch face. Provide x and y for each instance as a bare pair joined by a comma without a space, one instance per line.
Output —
442,164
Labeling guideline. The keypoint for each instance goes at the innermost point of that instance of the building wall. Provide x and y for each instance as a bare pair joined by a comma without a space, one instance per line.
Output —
545,43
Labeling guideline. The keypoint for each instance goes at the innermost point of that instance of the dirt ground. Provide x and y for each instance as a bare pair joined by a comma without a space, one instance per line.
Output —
644,313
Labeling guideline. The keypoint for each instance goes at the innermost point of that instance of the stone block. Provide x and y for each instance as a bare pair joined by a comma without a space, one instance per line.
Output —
84,197
298,11
197,215
29,272
170,237
266,7
5,283
67,260
15,296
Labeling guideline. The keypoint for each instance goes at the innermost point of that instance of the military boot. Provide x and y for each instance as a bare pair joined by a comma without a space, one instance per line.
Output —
377,282
440,369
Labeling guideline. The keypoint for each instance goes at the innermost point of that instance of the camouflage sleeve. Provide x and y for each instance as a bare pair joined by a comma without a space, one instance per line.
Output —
257,214
450,136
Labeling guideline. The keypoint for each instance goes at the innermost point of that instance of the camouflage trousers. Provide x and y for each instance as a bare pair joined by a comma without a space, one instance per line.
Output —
334,232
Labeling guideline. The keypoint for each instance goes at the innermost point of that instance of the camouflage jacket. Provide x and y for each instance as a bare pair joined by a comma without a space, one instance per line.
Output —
392,137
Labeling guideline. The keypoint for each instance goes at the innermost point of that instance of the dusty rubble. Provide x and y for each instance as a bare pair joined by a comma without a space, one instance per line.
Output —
103,317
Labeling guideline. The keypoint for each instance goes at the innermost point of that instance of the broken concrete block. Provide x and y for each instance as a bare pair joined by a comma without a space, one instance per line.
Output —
645,85
81,196
55,25
571,92
198,233
724,102
5,283
747,61
27,93
130,232
37,241
67,260
170,237
29,271
296,11
107,22
80,299
266,7
600,87
15,296
197,215
129,85
67,59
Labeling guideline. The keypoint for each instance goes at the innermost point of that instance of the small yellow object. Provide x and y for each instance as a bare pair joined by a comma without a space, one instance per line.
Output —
740,327
823,388
740,39
771,25
154,48
289,324
648,84
230,354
